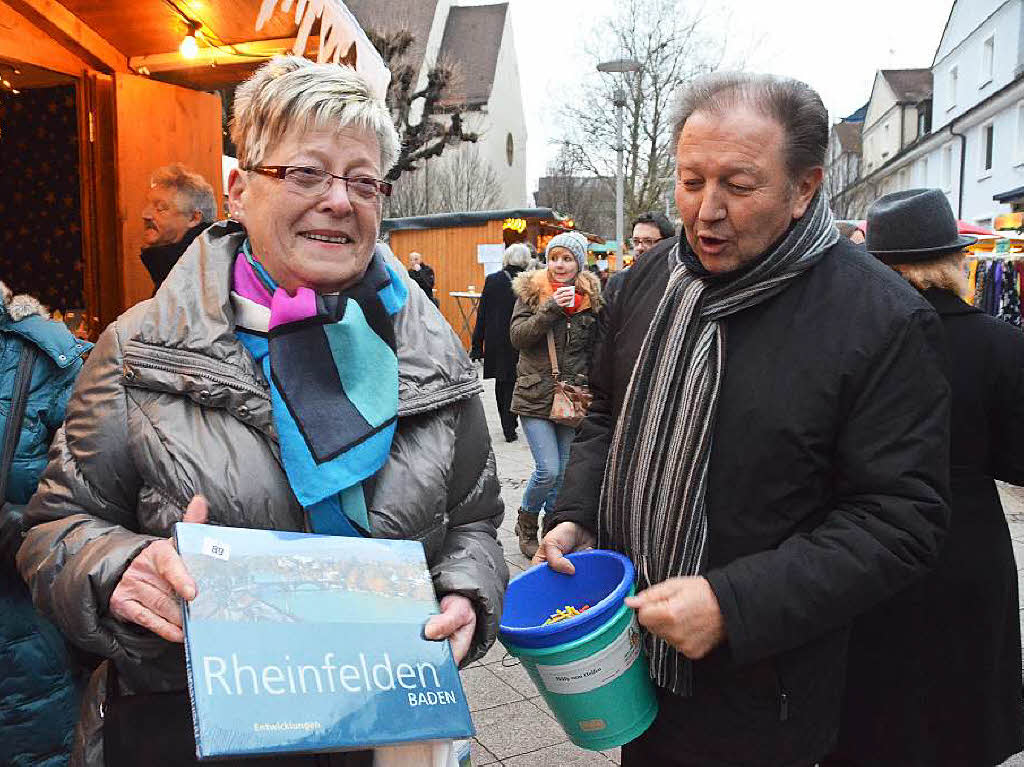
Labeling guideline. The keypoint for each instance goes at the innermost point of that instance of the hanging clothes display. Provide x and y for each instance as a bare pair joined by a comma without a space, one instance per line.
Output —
994,286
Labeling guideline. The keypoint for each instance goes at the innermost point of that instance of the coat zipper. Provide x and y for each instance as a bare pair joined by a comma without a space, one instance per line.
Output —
233,383
783,697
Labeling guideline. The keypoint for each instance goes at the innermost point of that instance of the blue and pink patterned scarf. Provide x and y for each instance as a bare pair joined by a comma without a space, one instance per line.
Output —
333,370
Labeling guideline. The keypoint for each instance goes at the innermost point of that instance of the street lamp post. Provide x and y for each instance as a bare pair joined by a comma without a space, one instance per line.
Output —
619,101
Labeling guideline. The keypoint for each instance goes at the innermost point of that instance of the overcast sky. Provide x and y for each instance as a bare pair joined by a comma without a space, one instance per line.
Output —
834,45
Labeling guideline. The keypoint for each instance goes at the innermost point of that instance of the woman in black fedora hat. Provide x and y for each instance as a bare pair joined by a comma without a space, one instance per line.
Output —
934,675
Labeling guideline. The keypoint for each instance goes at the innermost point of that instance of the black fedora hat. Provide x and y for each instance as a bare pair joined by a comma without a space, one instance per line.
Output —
915,225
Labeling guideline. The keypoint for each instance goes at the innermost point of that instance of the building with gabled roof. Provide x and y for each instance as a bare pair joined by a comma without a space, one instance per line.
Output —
477,42
843,165
969,140
417,18
899,98
471,42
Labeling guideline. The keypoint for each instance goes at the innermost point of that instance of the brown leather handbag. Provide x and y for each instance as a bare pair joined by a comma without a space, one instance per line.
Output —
570,403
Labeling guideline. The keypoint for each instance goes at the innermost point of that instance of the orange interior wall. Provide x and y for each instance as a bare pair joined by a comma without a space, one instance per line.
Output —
158,124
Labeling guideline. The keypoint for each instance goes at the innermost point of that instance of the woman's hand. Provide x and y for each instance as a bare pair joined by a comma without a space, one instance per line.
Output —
457,622
564,538
149,591
565,295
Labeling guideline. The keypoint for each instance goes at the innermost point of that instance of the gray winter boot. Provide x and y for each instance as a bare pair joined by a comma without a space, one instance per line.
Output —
526,529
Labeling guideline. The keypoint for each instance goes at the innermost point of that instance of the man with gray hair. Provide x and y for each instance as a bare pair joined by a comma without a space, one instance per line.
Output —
768,441
179,206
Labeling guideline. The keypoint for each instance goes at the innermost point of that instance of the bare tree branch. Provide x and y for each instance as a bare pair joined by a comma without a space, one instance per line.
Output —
429,119
459,181
670,41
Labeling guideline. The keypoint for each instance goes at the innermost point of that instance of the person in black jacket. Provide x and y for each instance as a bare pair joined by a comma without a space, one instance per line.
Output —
768,439
422,274
935,673
490,336
179,207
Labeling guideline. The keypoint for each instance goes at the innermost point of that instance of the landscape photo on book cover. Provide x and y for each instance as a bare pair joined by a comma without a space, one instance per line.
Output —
300,643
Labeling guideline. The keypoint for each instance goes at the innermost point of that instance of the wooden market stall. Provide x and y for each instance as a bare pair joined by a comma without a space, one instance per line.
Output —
94,96
459,246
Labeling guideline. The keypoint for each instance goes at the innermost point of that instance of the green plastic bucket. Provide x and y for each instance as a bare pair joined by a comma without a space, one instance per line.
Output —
598,687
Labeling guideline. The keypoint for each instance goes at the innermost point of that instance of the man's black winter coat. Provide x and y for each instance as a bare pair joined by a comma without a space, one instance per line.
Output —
828,490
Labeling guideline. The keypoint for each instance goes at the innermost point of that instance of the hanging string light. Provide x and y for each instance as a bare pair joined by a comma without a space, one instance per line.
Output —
189,47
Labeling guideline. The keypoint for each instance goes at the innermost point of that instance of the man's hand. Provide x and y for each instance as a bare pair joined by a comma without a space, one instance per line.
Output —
564,538
456,622
149,591
684,612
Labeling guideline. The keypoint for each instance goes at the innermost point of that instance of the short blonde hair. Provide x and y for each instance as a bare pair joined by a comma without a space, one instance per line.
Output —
290,93
945,273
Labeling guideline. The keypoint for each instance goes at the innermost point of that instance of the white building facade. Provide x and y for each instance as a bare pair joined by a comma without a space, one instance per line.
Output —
475,41
974,146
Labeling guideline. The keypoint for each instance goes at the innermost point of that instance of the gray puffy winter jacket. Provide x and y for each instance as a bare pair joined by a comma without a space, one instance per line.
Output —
170,405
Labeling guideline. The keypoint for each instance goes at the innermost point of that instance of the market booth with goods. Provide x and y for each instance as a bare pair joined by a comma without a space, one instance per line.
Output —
463,248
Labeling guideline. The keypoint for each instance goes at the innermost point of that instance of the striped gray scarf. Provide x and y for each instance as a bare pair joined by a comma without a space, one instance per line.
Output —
652,501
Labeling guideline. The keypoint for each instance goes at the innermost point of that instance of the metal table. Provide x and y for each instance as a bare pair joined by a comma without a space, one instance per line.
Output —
467,304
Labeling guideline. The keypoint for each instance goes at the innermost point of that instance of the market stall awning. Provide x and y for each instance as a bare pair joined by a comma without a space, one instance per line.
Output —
550,221
963,227
1011,196
233,38
470,218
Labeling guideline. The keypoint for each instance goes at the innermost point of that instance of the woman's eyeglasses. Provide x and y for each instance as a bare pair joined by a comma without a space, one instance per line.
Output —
314,182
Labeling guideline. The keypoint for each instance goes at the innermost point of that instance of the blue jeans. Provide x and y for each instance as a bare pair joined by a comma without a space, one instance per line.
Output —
549,442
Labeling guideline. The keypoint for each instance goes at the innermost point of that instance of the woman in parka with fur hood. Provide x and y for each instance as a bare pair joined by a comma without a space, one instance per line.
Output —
563,299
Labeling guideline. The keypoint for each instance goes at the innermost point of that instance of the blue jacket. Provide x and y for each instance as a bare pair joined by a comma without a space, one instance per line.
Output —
37,686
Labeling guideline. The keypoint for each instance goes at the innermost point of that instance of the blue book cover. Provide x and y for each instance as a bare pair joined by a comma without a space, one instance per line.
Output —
302,643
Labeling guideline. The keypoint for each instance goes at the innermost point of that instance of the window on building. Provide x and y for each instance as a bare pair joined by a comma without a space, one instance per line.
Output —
1018,150
905,179
924,118
510,149
947,167
922,172
954,77
987,138
988,55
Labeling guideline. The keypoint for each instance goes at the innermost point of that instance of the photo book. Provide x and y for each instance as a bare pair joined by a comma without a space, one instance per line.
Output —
302,643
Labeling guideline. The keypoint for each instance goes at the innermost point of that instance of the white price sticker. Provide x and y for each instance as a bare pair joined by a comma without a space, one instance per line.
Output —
595,670
214,548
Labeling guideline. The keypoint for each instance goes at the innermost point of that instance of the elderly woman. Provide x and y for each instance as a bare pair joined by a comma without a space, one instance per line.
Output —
491,341
935,674
176,415
562,301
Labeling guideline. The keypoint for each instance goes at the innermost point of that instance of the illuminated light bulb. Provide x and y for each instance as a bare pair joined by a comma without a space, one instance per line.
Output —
189,48
15,91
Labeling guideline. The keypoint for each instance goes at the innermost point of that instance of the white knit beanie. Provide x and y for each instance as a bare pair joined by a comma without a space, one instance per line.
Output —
574,242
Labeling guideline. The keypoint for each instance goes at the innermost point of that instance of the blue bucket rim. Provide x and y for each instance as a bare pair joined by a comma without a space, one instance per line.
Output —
618,594
532,653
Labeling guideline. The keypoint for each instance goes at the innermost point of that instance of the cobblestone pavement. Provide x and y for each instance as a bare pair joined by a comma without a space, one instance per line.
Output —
514,726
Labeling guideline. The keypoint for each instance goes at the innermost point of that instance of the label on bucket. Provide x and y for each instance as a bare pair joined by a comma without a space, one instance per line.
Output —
596,670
